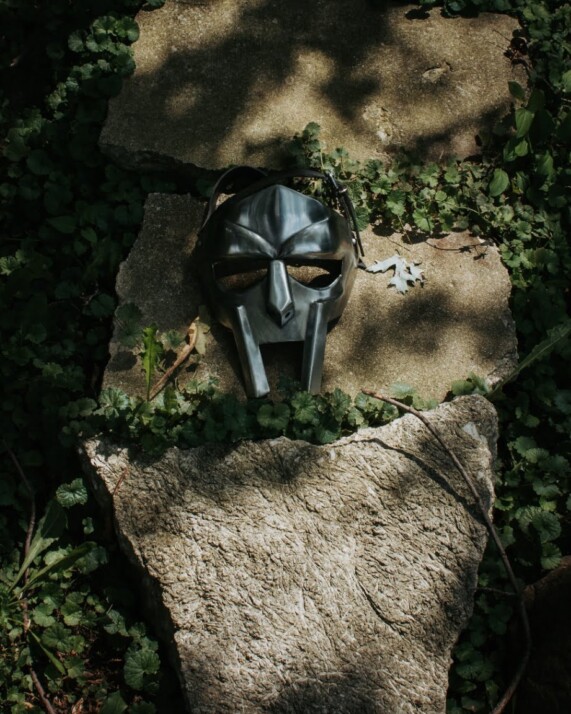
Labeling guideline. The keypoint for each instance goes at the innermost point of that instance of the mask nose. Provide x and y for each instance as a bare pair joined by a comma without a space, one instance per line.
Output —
280,303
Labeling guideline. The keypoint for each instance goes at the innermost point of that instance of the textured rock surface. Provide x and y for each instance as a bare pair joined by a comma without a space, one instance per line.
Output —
296,578
458,323
227,82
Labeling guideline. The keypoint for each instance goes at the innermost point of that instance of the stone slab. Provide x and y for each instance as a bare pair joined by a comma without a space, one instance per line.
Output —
289,578
228,82
458,322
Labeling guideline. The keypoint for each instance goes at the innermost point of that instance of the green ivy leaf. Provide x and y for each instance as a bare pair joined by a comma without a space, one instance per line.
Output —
101,305
550,556
72,494
75,667
523,121
305,409
546,490
112,402
545,166
547,525
75,42
42,615
499,183
139,667
274,416
326,434
517,91
515,148
93,558
422,220
524,443
58,638
116,624
114,704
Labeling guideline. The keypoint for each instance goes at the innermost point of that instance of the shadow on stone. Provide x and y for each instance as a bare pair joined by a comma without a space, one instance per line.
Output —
229,82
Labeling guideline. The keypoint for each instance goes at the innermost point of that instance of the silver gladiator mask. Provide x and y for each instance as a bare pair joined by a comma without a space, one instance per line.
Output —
277,266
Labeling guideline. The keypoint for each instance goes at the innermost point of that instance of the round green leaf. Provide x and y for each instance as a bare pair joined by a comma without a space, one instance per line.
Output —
72,494
139,665
114,704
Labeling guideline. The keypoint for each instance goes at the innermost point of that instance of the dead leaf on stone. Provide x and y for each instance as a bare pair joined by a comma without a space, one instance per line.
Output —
196,340
405,273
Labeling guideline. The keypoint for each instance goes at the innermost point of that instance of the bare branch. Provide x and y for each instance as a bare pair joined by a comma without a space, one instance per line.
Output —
501,705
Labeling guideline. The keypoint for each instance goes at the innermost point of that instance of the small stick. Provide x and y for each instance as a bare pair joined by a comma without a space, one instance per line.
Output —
501,705
41,692
183,356
120,480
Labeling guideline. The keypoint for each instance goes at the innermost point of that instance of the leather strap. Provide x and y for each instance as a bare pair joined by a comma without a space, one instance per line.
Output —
241,173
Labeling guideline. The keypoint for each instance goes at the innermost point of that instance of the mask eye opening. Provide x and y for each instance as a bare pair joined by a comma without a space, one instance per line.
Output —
315,273
239,275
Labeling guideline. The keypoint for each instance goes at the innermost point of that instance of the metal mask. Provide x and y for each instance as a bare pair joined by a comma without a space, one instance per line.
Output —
277,266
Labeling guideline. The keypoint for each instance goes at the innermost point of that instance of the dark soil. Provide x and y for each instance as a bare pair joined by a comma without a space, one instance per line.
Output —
546,688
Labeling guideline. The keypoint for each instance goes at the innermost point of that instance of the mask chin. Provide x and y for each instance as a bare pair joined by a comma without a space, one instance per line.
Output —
253,370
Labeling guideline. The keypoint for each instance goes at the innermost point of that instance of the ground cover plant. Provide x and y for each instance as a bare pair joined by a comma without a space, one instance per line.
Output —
71,636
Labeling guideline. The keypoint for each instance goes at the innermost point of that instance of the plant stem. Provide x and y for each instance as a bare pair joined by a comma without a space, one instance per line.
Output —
501,705
30,490
23,602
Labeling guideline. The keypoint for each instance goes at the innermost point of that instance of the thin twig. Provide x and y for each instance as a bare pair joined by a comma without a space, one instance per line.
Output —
41,692
501,705
496,591
30,490
183,356
120,480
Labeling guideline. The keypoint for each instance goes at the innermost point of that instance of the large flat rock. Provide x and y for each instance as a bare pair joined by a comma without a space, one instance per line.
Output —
458,322
295,578
227,82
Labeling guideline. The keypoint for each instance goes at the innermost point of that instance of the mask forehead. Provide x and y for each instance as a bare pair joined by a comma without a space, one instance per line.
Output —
276,214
